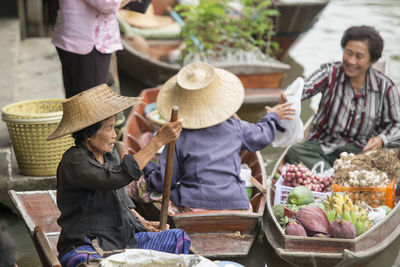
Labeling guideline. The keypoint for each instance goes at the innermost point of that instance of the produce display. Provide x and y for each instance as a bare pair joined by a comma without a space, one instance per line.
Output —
299,174
341,228
336,217
359,171
339,205
375,169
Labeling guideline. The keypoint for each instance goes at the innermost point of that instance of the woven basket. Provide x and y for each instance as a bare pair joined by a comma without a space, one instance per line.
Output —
29,123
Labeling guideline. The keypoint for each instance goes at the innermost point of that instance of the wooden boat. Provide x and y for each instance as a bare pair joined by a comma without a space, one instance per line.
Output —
296,17
262,80
40,213
214,234
313,251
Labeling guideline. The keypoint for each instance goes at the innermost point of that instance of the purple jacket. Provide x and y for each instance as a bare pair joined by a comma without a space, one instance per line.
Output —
207,163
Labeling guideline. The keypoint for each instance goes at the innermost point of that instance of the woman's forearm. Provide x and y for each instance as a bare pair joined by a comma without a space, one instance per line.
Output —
144,155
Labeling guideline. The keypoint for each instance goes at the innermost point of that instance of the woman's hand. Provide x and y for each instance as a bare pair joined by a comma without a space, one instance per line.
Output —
151,226
282,98
373,144
283,111
169,132
165,135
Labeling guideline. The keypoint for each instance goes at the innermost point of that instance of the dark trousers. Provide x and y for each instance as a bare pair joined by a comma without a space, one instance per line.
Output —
310,152
82,72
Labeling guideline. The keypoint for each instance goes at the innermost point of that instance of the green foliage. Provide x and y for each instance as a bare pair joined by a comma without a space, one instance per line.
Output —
216,24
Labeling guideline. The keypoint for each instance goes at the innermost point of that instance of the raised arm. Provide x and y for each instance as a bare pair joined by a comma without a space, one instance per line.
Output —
169,132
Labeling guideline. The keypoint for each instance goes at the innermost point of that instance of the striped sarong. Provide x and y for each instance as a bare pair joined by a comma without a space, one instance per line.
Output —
73,258
171,241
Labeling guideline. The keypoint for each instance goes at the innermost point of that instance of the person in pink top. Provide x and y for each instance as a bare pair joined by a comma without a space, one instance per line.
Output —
85,34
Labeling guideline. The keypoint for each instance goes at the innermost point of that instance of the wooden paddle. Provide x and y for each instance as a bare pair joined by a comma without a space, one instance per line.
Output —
167,176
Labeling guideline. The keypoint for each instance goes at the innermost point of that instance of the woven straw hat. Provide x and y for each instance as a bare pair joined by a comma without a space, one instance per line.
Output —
147,20
90,107
205,95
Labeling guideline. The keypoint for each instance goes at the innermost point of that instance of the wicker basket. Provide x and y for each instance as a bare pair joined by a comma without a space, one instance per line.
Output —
29,123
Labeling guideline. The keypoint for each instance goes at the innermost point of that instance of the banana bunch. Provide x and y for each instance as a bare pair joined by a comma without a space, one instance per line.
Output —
340,205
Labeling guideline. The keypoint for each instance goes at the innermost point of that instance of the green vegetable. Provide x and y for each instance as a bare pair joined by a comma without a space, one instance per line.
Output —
292,207
284,221
386,208
278,211
331,214
300,195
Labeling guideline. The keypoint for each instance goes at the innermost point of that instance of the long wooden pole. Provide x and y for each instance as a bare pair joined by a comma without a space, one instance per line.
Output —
167,176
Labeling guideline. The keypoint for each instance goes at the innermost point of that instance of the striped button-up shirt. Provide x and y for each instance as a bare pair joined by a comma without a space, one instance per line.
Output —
346,117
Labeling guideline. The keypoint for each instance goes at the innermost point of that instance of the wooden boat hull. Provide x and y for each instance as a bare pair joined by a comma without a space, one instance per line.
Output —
214,234
40,213
296,17
312,251
261,81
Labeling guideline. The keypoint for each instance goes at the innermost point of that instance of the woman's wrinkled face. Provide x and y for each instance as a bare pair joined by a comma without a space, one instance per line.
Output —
356,59
103,140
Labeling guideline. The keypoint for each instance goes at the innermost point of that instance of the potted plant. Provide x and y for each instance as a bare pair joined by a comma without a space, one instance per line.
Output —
217,29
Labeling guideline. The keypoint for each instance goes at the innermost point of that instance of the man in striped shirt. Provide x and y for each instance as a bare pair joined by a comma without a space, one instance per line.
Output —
360,106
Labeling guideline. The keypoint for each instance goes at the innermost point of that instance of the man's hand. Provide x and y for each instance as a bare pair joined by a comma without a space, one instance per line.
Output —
373,144
283,111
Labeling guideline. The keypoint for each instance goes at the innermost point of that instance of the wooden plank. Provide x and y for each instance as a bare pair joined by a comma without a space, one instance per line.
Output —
213,245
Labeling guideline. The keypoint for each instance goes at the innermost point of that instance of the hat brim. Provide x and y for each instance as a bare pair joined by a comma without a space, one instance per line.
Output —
205,107
90,107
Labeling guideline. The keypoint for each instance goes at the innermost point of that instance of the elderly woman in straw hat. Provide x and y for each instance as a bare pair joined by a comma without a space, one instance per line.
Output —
96,214
206,169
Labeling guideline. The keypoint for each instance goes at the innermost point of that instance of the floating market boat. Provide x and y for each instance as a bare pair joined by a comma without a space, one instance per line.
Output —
39,211
315,251
215,234
295,18
261,78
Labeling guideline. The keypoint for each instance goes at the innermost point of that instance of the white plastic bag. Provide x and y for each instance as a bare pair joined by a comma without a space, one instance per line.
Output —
152,258
321,172
294,128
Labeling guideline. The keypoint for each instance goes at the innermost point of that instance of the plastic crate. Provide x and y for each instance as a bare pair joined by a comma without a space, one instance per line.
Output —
282,191
372,196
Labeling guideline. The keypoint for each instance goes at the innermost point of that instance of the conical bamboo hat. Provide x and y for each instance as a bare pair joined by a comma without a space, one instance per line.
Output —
90,107
205,95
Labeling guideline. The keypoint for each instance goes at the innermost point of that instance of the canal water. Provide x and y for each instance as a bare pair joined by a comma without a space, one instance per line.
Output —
319,45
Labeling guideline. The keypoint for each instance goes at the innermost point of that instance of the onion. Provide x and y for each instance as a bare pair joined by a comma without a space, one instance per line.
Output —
328,189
